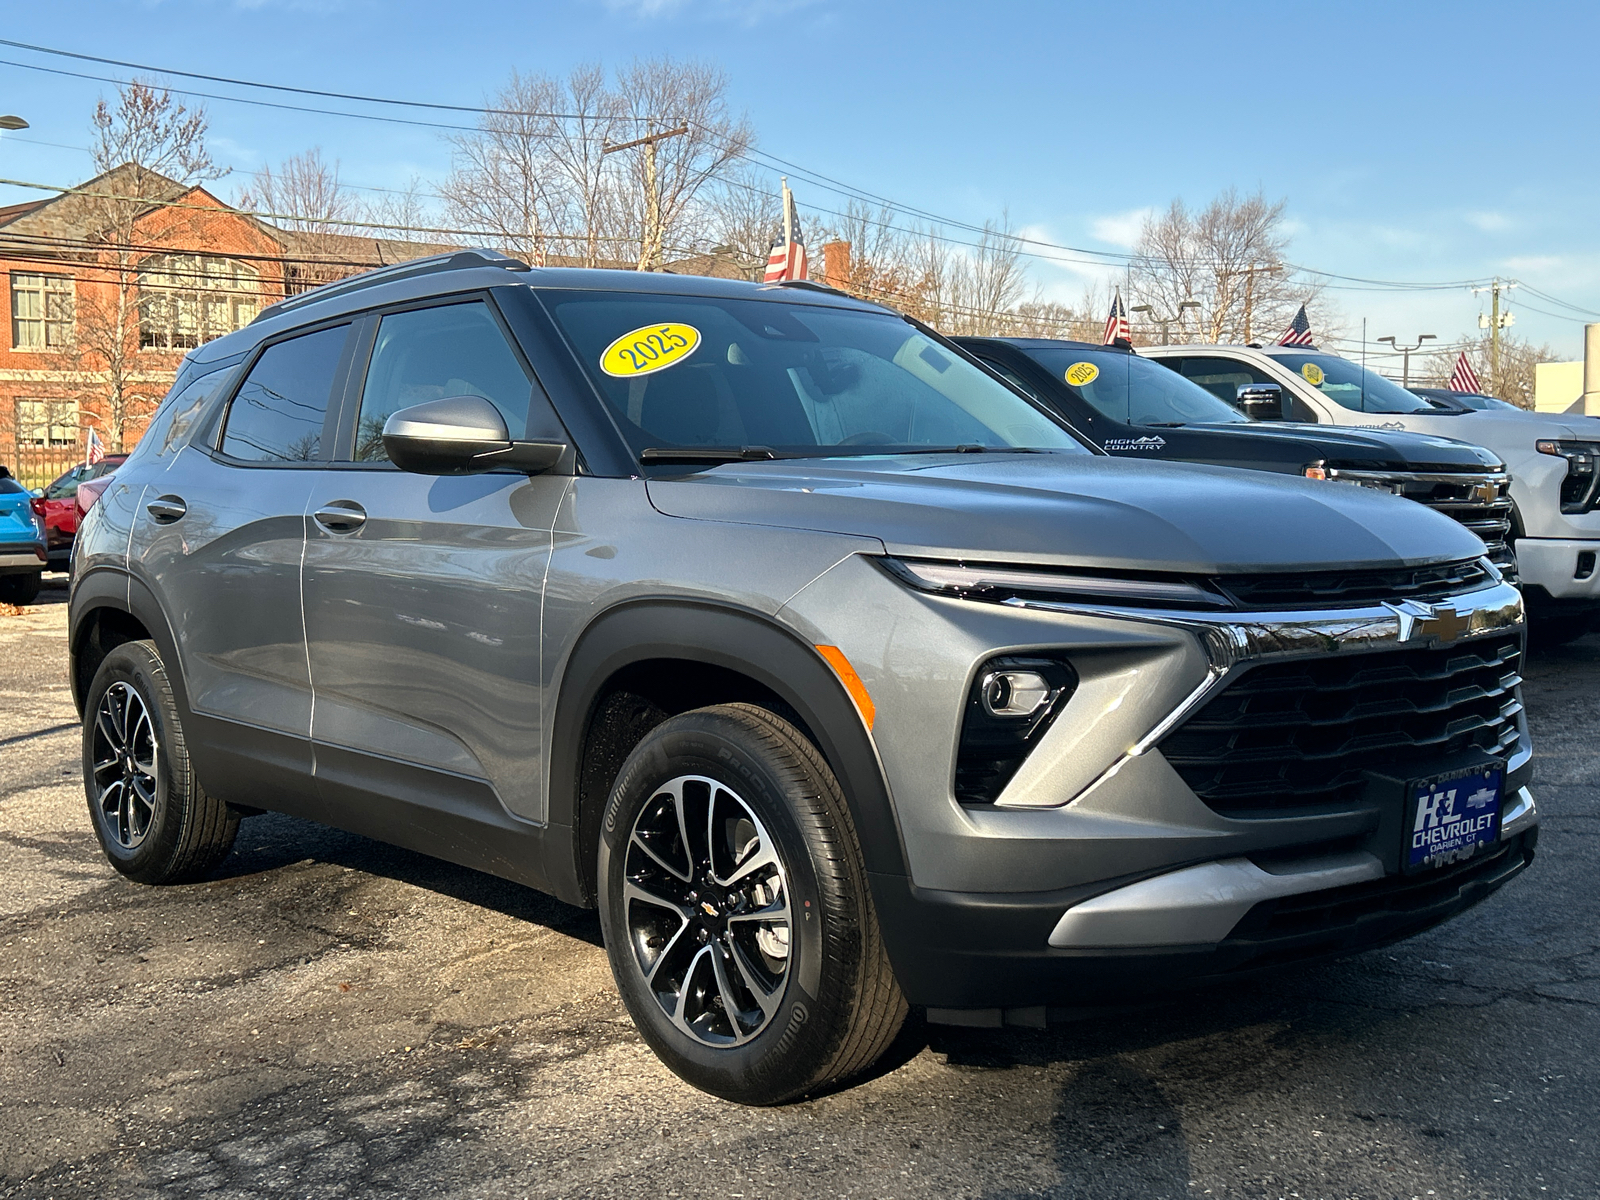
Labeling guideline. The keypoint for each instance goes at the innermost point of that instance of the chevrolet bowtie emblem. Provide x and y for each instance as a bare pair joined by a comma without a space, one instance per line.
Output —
1486,493
1439,621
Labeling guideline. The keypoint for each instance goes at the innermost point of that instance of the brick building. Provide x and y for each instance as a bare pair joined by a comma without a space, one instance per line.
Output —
106,286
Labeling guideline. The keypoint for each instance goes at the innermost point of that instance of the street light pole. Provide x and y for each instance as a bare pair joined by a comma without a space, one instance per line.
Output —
1164,322
1406,351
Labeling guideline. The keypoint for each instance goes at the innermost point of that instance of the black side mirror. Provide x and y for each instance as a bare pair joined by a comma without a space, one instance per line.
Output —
462,435
1260,401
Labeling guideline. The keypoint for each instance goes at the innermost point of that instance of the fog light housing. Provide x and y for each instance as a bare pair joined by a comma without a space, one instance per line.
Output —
1011,704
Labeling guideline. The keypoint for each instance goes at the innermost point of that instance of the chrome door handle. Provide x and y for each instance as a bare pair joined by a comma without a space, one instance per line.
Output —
340,516
167,509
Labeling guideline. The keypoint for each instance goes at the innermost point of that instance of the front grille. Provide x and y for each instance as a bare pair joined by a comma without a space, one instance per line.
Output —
1340,589
1464,497
1300,734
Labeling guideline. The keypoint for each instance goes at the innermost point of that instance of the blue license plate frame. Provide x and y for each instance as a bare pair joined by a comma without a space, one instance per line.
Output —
1452,817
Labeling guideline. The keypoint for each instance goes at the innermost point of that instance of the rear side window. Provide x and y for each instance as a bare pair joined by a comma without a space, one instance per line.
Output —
434,353
278,412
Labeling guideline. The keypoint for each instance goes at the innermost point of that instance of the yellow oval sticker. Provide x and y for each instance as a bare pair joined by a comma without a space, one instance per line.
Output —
1080,373
649,348
1312,373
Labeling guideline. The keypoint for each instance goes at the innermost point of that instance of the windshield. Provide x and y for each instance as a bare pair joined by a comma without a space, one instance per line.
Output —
687,371
1482,403
1351,385
1134,390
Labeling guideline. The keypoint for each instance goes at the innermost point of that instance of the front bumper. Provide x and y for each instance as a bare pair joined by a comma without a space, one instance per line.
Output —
1564,567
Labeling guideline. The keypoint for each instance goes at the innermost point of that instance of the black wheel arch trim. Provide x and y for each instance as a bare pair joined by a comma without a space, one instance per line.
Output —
735,639
108,587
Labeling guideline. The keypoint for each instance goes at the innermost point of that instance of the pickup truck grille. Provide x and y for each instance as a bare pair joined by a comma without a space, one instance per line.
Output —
1346,589
1294,735
1480,500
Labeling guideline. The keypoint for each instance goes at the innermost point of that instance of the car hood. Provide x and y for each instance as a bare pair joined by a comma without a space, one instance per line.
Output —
1075,511
1488,427
1395,449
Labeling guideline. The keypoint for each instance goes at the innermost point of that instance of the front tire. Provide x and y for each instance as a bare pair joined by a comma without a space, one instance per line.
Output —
156,824
736,913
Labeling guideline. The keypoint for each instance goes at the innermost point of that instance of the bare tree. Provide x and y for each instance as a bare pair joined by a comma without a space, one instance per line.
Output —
1518,358
149,148
303,194
1229,257
742,215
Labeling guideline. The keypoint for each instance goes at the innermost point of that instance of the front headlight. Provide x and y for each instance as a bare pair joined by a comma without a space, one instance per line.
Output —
1580,490
999,581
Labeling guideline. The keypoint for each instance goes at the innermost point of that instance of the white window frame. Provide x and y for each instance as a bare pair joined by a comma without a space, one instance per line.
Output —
42,307
186,300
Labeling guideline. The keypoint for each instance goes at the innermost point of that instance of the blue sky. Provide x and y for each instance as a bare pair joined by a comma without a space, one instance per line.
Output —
1415,142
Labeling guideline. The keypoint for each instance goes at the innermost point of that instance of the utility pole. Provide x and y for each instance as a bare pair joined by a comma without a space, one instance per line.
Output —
1494,323
650,243
1405,371
1249,293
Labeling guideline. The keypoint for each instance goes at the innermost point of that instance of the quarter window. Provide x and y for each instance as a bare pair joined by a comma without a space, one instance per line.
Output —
41,311
432,353
278,413
187,299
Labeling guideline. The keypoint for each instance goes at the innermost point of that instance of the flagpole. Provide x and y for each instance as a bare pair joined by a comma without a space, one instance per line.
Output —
788,228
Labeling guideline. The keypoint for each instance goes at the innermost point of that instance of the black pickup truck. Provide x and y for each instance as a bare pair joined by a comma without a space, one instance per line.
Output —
1134,407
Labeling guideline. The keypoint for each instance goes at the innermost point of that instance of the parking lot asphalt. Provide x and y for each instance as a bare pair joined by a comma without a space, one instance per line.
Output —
330,1017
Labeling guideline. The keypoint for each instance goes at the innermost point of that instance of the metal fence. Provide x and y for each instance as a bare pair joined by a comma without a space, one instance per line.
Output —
35,466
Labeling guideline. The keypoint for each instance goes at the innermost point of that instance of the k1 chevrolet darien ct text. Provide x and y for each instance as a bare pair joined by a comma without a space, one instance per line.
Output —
837,673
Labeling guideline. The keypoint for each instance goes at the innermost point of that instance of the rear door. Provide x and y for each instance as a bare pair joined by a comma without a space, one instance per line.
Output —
218,535
423,594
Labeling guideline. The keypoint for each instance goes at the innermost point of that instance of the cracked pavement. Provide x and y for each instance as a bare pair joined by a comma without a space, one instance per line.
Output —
331,1017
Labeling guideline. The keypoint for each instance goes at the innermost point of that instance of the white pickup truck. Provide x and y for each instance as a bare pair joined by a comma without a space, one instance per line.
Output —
1554,460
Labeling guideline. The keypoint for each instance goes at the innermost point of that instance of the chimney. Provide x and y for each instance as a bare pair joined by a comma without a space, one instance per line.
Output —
836,267
1591,371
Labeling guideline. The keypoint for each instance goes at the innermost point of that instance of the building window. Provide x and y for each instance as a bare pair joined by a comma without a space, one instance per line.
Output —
187,299
41,311
47,423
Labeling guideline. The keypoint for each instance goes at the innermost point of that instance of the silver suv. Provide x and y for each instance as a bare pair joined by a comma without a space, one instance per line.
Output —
839,675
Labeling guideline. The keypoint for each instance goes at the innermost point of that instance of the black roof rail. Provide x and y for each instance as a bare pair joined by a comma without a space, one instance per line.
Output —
458,260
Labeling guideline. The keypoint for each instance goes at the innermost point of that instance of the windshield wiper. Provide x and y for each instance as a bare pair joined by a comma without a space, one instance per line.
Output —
1165,424
706,454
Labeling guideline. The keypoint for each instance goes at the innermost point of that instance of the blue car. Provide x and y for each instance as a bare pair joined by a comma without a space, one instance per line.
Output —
22,549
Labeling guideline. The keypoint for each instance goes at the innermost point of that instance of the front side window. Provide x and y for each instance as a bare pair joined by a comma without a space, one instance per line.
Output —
1134,390
434,353
278,413
802,379
41,311
188,299
1352,386
65,487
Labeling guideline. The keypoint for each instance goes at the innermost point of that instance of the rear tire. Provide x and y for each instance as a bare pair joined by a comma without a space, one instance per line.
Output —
156,824
737,918
20,589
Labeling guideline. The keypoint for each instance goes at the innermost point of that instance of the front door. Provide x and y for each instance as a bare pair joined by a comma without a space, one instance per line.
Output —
422,593
219,535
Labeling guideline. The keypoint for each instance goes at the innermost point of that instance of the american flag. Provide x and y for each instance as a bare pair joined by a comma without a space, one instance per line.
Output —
1117,321
97,449
1299,331
1464,378
788,257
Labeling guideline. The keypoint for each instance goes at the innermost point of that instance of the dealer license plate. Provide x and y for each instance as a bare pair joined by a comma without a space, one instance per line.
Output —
1452,817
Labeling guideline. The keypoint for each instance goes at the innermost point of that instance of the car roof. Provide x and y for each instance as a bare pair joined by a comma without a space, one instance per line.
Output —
1023,343
470,271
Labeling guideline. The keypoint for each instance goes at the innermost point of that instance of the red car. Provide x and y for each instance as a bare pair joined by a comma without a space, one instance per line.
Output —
60,507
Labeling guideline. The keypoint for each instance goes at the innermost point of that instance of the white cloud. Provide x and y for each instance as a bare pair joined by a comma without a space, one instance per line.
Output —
1121,229
1488,222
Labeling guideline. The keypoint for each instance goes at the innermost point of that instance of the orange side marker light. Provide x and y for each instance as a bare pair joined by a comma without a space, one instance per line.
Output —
852,682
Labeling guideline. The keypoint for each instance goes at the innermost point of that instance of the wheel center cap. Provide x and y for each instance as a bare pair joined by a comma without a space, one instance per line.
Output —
709,909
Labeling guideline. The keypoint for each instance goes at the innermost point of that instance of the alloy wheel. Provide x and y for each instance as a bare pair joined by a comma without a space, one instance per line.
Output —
707,910
124,756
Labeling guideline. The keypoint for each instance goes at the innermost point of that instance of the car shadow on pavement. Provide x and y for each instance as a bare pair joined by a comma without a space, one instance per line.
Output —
272,841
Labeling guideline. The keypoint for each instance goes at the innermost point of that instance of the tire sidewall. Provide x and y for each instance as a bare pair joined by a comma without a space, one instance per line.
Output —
782,1059
135,664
